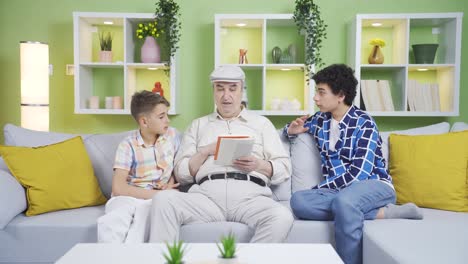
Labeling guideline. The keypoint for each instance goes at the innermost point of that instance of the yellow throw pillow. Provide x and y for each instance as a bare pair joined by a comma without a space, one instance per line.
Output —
58,176
431,170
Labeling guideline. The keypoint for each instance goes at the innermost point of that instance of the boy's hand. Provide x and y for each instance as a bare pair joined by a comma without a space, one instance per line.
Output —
297,126
170,186
167,186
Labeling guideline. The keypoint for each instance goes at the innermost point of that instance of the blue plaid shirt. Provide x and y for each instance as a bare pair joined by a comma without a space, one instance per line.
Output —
358,151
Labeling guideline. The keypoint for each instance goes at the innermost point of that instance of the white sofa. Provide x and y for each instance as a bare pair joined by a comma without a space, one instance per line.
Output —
442,237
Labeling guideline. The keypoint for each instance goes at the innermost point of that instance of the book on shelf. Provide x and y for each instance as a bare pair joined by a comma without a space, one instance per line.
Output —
377,95
231,147
423,97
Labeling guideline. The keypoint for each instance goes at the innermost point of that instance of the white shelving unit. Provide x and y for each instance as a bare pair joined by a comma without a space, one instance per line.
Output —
125,74
265,80
401,31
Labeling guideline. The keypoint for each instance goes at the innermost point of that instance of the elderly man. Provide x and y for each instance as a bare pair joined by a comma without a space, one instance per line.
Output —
236,193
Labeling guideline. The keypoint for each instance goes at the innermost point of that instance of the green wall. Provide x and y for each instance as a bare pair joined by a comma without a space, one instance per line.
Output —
51,21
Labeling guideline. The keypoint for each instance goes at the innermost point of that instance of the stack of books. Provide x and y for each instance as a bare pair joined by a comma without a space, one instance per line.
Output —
376,95
423,97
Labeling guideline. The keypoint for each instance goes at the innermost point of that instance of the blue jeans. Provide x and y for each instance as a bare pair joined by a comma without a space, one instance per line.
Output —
349,208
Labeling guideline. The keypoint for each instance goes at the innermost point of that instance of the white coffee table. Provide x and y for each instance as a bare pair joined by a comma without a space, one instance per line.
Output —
201,253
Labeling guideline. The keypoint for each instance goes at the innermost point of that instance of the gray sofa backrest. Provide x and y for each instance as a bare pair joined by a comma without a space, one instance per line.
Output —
101,148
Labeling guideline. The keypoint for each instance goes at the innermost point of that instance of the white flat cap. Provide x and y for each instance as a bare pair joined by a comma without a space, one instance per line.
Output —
227,73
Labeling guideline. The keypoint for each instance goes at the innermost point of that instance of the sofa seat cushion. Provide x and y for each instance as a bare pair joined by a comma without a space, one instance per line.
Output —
212,232
304,231
46,237
441,237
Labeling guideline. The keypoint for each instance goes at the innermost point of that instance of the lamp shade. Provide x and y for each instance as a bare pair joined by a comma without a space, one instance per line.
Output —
34,57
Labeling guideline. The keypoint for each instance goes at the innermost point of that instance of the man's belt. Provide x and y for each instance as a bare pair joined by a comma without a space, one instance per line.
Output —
233,175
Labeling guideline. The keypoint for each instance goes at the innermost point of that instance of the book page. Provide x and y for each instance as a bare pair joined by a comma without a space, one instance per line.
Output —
229,148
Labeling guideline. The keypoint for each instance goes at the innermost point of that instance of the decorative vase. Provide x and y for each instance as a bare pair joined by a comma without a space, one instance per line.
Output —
150,51
243,56
285,57
105,56
376,56
276,54
292,49
424,53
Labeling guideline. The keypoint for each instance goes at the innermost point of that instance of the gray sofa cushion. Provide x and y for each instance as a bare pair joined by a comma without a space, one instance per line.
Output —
12,197
101,150
18,136
212,232
282,192
459,126
306,165
46,237
441,237
439,128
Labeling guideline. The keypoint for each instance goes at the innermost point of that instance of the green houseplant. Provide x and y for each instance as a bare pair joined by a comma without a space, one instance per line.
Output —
228,248
167,15
175,252
105,42
310,23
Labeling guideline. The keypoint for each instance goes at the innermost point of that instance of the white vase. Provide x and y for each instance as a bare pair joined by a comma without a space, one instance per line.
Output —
150,51
105,56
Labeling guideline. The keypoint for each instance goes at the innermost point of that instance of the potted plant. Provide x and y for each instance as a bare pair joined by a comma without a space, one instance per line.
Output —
175,252
150,51
309,22
228,249
105,41
167,14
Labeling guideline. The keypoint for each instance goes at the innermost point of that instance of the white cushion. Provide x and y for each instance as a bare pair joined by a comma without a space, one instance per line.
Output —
306,163
459,126
439,128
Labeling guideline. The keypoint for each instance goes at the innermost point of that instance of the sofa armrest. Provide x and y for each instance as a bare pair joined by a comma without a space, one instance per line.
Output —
12,197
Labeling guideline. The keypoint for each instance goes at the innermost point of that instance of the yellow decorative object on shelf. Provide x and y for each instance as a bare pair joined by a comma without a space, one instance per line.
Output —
376,55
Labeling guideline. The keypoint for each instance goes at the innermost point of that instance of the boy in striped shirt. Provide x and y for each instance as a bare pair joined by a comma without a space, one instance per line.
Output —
143,166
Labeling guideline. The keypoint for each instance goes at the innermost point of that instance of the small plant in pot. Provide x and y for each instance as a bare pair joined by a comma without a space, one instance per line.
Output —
175,253
227,249
105,41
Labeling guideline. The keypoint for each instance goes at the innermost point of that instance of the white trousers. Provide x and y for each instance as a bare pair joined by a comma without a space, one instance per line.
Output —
126,221
216,201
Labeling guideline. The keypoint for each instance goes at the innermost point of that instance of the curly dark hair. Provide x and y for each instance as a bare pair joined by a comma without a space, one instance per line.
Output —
341,79
143,102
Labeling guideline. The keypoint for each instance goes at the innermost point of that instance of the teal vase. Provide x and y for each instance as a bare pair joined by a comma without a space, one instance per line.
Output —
424,53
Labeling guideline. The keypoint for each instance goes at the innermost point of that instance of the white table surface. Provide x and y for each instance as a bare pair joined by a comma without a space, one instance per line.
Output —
198,253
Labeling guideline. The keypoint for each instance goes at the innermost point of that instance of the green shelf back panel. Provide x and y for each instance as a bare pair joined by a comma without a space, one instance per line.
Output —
108,82
233,39
145,80
117,42
369,33
282,37
253,79
284,84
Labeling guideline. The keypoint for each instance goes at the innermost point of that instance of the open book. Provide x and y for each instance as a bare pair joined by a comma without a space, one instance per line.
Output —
231,147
